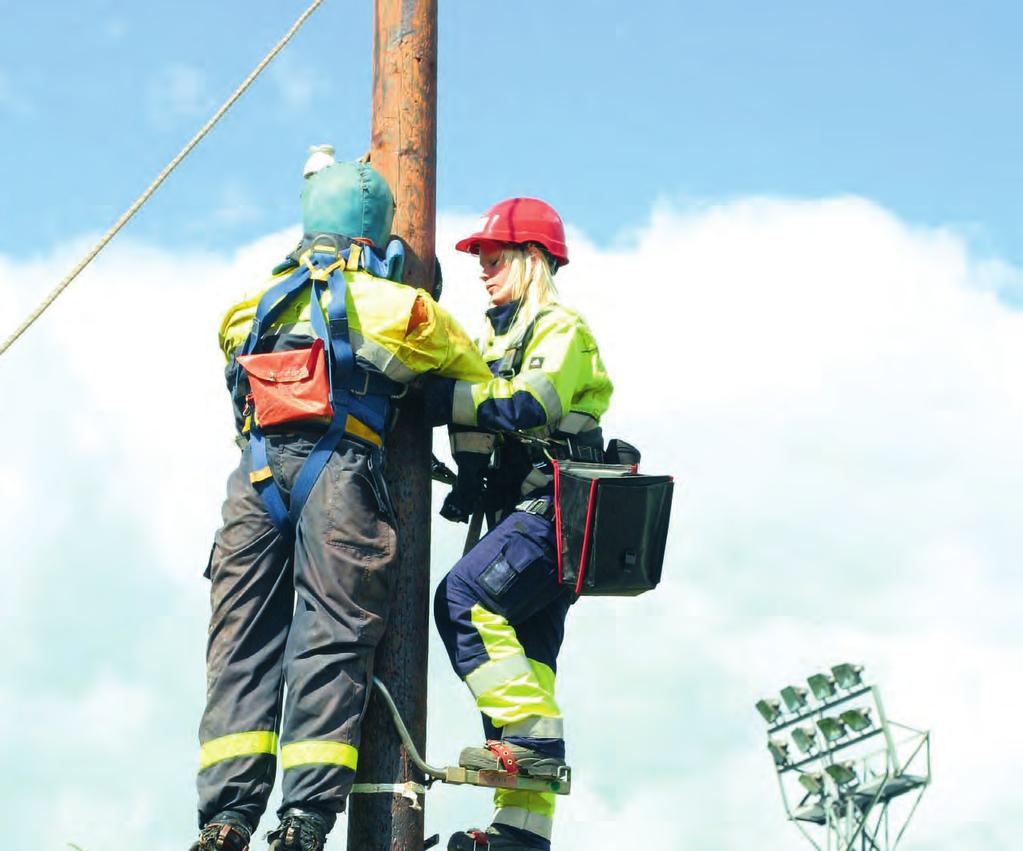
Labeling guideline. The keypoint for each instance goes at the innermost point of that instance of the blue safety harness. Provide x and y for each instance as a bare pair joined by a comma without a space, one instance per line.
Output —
354,390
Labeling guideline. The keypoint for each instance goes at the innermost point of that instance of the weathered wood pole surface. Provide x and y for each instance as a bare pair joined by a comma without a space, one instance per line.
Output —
404,150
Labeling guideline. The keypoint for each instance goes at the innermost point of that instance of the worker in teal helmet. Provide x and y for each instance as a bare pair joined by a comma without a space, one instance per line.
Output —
347,198
501,609
300,569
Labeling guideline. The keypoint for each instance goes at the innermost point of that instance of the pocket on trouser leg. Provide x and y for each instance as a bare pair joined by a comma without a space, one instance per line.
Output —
351,547
520,581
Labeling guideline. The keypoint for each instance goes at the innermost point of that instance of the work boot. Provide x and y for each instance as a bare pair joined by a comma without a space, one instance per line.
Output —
222,836
503,756
299,830
491,839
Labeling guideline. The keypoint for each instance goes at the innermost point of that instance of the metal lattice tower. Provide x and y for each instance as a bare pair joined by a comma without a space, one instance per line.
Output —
850,778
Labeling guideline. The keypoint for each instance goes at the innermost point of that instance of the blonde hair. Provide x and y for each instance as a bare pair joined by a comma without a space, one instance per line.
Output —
532,285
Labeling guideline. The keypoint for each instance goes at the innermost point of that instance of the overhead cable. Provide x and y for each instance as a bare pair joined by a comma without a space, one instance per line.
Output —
184,152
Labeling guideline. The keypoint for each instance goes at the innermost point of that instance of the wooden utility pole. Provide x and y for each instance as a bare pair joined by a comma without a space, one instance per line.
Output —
404,151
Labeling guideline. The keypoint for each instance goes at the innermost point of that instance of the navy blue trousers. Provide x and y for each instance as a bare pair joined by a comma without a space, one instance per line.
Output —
502,592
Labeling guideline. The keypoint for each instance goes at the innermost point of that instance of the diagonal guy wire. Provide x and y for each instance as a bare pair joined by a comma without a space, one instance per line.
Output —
184,152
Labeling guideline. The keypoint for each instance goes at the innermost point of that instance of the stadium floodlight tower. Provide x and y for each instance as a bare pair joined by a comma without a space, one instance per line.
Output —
852,770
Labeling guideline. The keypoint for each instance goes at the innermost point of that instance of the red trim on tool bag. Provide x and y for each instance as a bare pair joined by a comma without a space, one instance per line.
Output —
504,755
586,535
557,514
478,837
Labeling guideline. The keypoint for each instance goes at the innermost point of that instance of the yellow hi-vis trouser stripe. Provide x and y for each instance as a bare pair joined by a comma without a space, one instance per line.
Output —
532,811
508,687
318,752
236,745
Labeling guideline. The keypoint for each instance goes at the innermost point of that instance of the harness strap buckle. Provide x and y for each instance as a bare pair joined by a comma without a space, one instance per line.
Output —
540,506
364,390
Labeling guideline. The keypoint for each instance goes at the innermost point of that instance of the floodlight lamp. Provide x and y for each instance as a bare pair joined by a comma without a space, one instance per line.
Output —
805,738
857,720
832,728
822,686
794,697
843,773
769,708
779,750
848,676
813,782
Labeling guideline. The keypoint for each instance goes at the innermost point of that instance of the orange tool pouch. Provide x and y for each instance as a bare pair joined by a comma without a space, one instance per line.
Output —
289,386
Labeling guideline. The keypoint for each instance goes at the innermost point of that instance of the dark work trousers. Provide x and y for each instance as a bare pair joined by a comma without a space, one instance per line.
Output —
501,614
504,592
305,616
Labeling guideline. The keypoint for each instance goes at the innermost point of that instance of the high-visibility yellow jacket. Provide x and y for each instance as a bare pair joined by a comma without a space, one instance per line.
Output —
398,329
554,381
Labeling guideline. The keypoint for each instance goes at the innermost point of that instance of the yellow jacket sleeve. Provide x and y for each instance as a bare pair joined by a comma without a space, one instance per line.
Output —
561,373
400,330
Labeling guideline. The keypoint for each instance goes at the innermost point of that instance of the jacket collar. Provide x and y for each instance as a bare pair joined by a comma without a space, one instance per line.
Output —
501,316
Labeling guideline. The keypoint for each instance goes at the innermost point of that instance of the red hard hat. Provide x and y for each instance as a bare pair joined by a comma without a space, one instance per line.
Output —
520,220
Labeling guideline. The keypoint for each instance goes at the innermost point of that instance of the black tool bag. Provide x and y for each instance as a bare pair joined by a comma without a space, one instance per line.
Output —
611,524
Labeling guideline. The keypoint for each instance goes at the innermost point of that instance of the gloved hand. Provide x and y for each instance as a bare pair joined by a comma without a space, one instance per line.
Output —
466,494
438,396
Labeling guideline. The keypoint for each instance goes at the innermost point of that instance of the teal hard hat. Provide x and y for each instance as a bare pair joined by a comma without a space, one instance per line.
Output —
351,199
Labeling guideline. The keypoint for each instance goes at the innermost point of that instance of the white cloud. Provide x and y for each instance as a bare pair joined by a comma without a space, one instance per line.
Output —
107,719
88,819
838,395
836,392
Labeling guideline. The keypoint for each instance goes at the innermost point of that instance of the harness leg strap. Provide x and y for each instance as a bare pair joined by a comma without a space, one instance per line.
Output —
263,481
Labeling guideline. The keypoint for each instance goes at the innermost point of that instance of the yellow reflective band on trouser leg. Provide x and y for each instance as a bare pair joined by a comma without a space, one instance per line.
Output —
318,752
532,811
508,687
237,745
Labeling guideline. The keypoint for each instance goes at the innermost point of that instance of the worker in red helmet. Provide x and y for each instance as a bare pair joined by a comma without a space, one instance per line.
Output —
501,609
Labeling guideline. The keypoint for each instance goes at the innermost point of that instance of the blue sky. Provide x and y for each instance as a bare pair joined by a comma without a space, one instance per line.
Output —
908,104
803,215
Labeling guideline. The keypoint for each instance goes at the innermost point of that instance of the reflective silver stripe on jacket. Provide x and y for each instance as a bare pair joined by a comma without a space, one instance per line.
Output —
575,422
387,362
463,409
544,389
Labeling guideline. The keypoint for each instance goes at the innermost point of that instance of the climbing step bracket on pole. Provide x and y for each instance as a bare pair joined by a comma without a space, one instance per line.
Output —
456,775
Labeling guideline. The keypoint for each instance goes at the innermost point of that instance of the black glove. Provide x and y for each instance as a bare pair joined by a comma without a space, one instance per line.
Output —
438,398
466,494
